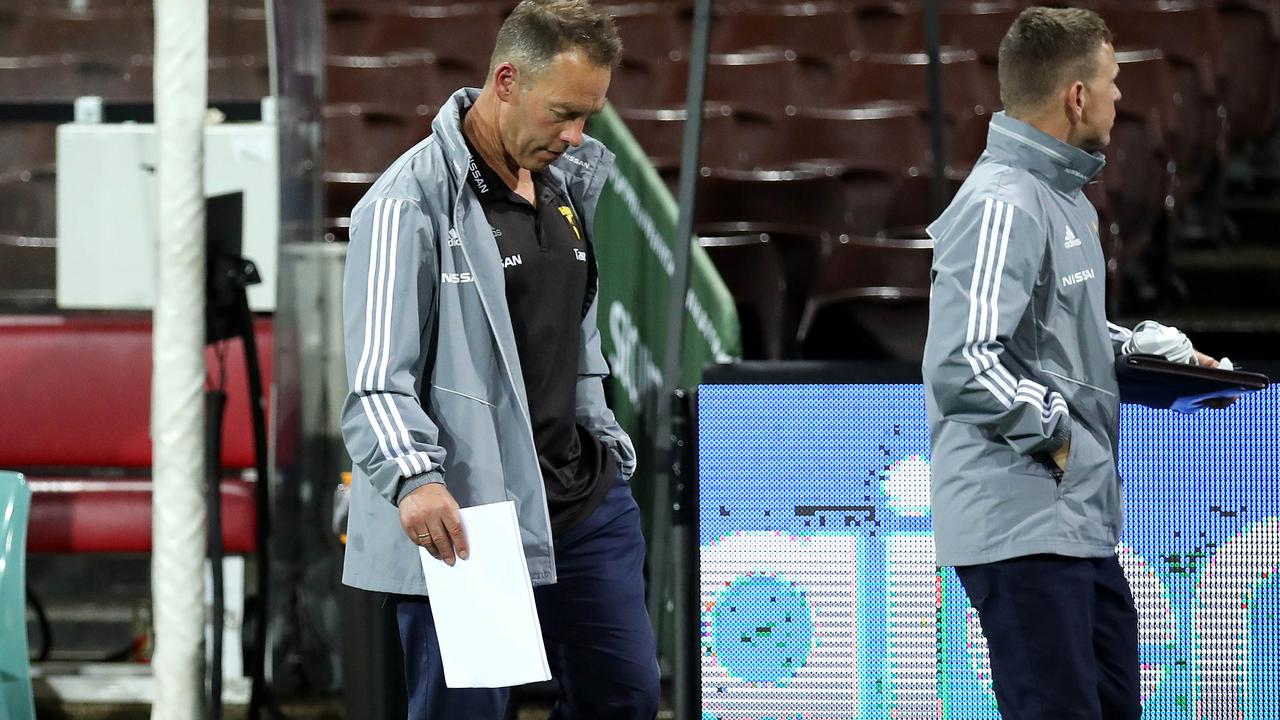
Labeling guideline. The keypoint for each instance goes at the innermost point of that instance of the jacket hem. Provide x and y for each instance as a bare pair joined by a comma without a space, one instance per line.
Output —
1069,549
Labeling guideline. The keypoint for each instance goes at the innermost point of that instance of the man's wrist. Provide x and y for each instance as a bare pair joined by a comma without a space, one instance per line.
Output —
409,484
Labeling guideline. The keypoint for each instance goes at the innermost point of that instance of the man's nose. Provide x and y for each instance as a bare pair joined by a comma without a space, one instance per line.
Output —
573,134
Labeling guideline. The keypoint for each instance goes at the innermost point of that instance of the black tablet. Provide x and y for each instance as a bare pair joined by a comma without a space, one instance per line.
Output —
1152,381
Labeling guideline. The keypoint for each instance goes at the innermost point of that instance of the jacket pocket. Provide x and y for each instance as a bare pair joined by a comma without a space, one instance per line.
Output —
459,393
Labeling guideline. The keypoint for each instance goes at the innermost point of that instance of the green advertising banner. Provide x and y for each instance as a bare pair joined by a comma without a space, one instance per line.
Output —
635,245
634,235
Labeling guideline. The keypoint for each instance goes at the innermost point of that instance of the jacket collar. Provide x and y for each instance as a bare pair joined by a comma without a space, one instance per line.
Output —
1064,167
580,172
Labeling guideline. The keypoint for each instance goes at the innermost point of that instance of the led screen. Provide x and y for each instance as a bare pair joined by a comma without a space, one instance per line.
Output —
818,593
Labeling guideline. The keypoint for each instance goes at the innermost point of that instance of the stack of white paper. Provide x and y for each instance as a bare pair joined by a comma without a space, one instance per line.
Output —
484,611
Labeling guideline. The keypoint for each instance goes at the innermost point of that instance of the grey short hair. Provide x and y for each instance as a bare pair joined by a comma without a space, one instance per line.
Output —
1044,49
537,31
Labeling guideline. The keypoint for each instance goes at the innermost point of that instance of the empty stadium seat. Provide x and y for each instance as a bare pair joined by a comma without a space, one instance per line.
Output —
888,136
241,78
872,150
966,88
869,300
1253,55
349,28
27,203
460,36
63,77
342,190
883,23
652,30
75,507
28,273
977,25
111,35
768,274
1146,86
766,78
404,80
367,138
801,200
825,30
731,137
26,145
1137,178
648,82
1188,35
233,33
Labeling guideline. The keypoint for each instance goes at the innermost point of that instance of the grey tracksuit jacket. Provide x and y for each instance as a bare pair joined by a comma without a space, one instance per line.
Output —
436,391
1020,359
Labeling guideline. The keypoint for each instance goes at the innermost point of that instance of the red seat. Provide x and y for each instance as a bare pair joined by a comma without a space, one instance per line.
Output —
94,372
83,403
77,515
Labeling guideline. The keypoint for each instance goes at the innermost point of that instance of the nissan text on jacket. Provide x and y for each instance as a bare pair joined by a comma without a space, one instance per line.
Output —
436,392
1020,359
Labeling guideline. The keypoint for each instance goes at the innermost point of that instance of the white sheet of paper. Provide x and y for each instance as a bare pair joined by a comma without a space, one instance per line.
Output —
485,616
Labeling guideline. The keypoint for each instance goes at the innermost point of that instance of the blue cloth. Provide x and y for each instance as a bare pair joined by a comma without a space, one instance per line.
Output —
599,641
1062,634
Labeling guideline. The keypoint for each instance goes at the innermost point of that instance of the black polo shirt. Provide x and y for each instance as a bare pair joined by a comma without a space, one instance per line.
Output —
547,266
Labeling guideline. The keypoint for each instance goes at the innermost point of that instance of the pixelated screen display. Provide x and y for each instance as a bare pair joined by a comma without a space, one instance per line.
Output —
819,597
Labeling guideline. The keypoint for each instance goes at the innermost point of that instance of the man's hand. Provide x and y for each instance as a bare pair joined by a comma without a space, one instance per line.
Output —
1060,455
430,517
1216,403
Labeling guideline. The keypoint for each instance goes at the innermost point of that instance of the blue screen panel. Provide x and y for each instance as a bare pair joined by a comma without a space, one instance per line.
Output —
819,594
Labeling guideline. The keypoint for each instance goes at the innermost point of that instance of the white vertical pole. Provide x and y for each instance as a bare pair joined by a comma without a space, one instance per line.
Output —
177,412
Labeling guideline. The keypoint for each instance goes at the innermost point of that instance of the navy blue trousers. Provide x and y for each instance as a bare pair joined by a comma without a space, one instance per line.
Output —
1063,636
595,626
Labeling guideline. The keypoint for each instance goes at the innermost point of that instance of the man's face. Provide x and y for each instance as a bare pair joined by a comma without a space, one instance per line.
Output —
1098,108
545,114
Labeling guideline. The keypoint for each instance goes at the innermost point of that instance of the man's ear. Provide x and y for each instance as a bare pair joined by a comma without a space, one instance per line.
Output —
505,78
1074,101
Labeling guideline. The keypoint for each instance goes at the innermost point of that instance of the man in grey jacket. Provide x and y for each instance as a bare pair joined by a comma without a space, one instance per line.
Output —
1021,389
476,371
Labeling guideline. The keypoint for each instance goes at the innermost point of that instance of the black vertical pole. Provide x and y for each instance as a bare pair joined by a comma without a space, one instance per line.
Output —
933,42
665,441
215,403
